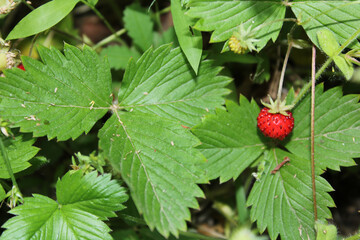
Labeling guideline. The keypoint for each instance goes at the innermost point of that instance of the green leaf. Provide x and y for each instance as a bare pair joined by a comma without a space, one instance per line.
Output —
105,196
282,202
190,39
345,67
20,151
230,140
42,18
71,217
148,139
161,82
325,231
157,160
2,193
119,56
327,42
330,46
61,97
139,25
340,17
337,129
224,17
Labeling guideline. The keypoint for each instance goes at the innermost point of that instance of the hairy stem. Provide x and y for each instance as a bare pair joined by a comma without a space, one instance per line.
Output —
313,130
7,163
108,25
324,66
28,5
282,76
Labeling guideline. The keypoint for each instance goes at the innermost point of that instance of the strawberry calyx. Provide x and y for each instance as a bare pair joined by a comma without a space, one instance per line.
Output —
278,106
243,40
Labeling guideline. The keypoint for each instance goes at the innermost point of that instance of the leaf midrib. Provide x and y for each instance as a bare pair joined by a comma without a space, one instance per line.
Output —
144,168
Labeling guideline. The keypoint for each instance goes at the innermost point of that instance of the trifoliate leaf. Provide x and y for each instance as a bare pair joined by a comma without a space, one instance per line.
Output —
337,129
230,139
223,17
161,82
148,138
119,56
283,203
340,17
190,39
71,217
139,25
157,160
19,151
61,97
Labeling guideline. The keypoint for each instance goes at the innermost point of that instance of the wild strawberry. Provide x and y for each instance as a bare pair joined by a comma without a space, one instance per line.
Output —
275,120
21,66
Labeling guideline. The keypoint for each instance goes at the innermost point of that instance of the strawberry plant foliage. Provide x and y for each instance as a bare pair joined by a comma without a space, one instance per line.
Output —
282,202
19,151
337,129
160,83
147,139
61,97
223,17
231,143
340,17
76,214
230,140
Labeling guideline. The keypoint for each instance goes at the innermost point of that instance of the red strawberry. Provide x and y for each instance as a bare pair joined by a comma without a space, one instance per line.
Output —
21,66
275,125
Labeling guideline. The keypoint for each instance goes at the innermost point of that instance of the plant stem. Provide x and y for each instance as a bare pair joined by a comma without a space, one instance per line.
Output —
165,10
110,38
347,42
308,85
324,66
282,76
59,31
28,5
32,44
7,163
108,25
313,130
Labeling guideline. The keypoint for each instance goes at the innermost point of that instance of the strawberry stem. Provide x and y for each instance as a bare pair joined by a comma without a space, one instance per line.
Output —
7,163
313,79
282,76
